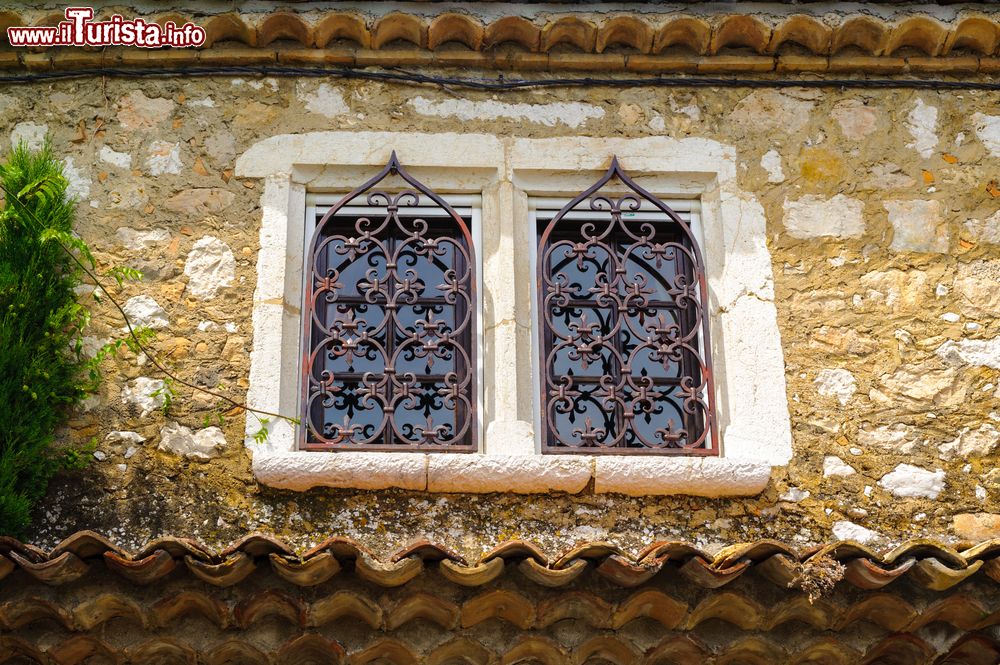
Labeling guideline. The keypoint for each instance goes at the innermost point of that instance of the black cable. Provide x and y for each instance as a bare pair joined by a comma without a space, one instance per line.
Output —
502,83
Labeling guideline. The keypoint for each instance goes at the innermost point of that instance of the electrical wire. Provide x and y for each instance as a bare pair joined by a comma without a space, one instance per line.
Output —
501,83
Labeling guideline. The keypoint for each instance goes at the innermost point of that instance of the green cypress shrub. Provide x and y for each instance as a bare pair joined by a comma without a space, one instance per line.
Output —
42,371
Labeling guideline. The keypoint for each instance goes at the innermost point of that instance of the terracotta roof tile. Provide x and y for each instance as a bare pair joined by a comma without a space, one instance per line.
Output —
933,566
721,38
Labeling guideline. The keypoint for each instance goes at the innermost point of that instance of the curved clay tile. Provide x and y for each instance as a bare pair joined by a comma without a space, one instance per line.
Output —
624,572
453,27
576,605
398,25
22,612
868,575
459,651
386,650
141,571
50,19
816,613
926,549
64,568
80,649
670,550
427,551
805,31
388,574
551,577
868,34
177,547
900,648
650,604
270,603
183,604
756,551
515,29
781,569
257,544
8,19
343,604
235,651
960,610
975,34
731,607
828,651
516,549
570,30
593,550
535,649
754,651
14,648
605,648
310,572
342,25
85,544
705,575
311,649
284,25
472,575
228,28
161,650
885,610
677,649
694,33
423,606
507,605
937,576
232,570
974,649
740,30
920,32
178,19
105,607
625,31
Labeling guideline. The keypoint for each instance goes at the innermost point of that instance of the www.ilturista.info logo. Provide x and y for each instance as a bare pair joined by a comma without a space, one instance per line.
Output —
79,30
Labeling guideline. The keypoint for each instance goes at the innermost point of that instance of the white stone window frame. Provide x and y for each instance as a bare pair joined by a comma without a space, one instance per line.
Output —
688,209
752,408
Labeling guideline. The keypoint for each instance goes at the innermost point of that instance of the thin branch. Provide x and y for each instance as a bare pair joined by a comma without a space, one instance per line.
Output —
257,413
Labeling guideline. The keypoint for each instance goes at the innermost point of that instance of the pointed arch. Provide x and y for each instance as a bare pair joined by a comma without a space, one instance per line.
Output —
623,327
389,323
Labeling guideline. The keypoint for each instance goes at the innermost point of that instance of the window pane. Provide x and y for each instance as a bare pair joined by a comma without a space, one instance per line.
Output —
390,355
622,332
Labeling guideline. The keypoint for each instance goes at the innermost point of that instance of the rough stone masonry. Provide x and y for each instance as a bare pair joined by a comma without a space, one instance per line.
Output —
883,223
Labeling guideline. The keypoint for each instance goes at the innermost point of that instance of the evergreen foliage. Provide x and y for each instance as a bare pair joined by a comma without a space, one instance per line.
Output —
42,371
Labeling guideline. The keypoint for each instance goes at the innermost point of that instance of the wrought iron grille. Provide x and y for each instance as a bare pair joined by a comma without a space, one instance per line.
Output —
624,335
389,326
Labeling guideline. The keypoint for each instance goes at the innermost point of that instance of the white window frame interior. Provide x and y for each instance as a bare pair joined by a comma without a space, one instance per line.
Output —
754,424
544,209
467,206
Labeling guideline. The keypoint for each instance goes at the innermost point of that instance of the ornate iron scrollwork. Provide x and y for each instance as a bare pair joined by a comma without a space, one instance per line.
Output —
623,328
389,326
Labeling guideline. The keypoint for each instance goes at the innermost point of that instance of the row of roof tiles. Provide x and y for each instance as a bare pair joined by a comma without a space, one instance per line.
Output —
932,565
312,649
973,34
963,611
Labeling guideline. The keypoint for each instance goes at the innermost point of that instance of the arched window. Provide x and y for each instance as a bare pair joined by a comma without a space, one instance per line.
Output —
623,327
389,323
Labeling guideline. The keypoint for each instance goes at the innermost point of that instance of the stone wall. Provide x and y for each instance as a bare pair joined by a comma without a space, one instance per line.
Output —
883,213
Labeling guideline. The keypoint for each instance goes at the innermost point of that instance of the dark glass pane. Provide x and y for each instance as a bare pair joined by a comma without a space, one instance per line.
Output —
391,328
621,326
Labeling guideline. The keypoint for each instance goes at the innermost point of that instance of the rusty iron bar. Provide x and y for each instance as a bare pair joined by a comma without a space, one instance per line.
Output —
373,331
630,299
